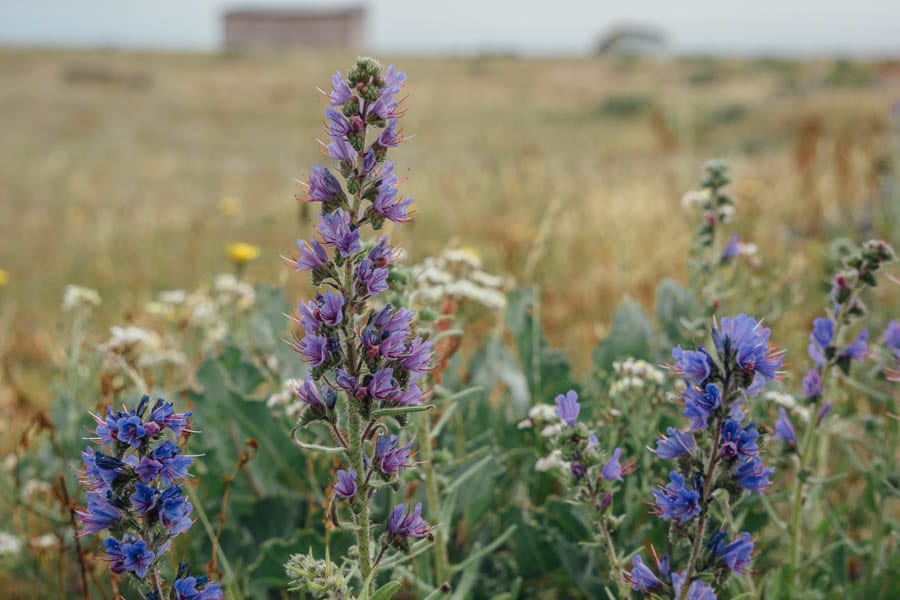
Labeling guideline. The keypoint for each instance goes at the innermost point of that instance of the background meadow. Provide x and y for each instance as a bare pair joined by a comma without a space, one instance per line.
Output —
130,172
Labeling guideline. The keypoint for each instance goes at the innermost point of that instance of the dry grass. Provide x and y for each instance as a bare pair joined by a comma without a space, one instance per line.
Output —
113,166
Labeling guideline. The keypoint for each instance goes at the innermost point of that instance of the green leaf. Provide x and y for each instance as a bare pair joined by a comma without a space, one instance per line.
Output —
674,305
386,591
631,334
400,410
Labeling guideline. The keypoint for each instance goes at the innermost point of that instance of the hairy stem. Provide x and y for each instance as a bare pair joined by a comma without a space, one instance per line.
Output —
363,526
704,511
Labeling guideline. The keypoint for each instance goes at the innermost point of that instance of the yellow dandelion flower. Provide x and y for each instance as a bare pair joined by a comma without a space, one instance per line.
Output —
229,206
241,253
4,277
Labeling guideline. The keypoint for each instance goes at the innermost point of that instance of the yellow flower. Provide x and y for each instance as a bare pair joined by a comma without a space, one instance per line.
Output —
229,206
241,253
4,277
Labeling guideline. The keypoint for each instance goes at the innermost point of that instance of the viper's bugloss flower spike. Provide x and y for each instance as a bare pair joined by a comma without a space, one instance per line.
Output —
368,357
134,487
675,444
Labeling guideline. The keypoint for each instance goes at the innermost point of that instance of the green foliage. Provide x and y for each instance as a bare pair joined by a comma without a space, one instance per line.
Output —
631,334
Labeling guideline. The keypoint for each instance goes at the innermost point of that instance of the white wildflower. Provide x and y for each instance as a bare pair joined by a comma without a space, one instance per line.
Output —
552,462
9,544
76,296
44,542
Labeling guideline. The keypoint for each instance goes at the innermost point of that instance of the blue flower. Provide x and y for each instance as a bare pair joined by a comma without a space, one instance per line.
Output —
340,91
698,406
752,474
390,137
784,429
164,414
346,484
819,339
131,431
676,501
732,248
612,470
812,384
697,590
858,349
143,498
389,207
323,186
567,407
417,356
390,456
640,577
340,149
137,558
315,349
100,514
382,385
738,441
336,230
405,524
744,342
186,589
737,554
370,279
694,365
114,550
313,256
891,337
308,393
677,444
175,511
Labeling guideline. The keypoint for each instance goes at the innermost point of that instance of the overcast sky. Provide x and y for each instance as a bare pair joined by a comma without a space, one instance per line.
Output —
860,27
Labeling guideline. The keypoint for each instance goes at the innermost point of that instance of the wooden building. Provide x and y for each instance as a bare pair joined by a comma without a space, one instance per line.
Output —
279,28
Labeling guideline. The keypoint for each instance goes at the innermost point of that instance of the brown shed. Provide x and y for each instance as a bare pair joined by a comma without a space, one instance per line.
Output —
277,28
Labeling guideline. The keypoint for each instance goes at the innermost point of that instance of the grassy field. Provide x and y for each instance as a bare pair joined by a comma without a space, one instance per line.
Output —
563,173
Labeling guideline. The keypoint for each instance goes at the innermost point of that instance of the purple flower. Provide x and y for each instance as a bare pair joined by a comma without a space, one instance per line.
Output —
382,385
418,356
164,414
340,149
107,429
676,501
823,412
737,554
100,514
693,365
346,484
114,550
640,577
677,444
390,137
143,498
386,105
331,307
308,393
404,524
340,91
812,384
388,206
891,337
612,470
137,558
175,511
567,407
308,317
186,589
338,125
743,341
312,256
131,431
315,349
753,475
371,280
697,590
324,187
732,248
394,78
381,255
698,406
856,350
336,230
390,457
784,429
738,441
96,477
819,339
412,396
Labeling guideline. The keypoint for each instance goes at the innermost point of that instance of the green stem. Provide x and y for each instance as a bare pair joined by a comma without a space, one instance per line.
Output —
363,526
441,561
704,513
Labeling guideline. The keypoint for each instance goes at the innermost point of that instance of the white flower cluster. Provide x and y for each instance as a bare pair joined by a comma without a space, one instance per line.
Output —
76,297
543,417
553,462
635,373
141,347
10,544
456,272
